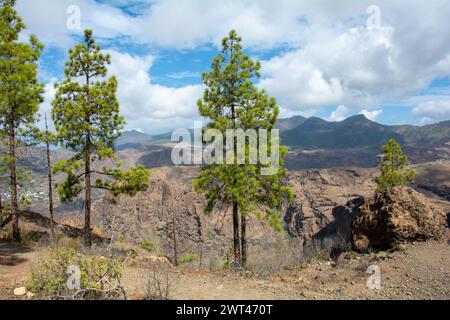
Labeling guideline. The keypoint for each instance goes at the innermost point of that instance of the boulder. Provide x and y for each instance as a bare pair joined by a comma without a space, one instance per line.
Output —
396,215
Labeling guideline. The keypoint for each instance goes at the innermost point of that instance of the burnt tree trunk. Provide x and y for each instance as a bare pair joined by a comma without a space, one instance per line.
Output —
174,235
87,172
50,187
236,237
244,240
13,179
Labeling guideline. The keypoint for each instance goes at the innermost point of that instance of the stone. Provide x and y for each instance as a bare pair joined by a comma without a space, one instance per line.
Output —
20,291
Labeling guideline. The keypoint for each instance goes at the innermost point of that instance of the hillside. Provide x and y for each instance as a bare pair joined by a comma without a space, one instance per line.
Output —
353,132
434,134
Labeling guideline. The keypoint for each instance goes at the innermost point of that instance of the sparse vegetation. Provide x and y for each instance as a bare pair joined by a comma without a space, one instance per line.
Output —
158,286
147,246
99,277
190,257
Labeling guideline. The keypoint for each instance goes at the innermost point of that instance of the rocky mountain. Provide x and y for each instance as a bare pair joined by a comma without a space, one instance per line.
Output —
434,134
354,132
317,144
290,123
358,131
321,208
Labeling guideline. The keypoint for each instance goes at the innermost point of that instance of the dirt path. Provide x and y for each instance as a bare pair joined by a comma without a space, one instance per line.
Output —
420,271
16,263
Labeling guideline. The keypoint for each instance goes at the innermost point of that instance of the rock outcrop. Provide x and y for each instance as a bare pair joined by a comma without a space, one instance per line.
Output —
396,215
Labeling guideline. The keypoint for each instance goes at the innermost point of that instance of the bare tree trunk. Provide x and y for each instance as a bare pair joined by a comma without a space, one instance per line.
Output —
13,180
50,187
236,238
174,235
244,240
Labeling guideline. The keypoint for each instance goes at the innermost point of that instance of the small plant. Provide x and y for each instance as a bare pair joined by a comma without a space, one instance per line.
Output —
147,246
190,257
99,277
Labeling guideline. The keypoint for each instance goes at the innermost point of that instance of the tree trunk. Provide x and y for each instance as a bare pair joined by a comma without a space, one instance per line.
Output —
88,203
13,180
174,235
50,188
236,238
87,170
244,240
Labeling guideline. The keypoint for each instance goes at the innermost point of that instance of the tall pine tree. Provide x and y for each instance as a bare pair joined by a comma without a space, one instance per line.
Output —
231,101
20,95
87,120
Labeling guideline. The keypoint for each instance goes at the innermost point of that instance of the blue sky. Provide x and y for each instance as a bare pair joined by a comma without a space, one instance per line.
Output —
390,62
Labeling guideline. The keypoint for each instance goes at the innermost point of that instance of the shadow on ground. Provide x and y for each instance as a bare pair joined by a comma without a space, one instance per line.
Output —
10,254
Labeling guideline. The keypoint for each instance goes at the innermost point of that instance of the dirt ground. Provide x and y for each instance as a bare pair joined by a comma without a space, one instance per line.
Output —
418,271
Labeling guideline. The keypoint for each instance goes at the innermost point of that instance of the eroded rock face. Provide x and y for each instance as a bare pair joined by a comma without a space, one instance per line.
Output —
319,194
396,215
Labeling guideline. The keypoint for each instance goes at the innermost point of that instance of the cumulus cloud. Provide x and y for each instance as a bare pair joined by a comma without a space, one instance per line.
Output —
151,107
433,111
341,113
371,115
146,106
328,56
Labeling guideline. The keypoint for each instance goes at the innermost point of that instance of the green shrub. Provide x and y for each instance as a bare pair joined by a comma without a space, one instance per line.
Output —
148,246
100,276
189,258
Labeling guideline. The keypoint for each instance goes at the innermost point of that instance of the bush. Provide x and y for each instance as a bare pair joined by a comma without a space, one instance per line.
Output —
148,246
189,258
99,277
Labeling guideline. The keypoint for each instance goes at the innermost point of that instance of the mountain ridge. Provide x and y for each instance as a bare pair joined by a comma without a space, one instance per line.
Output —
317,133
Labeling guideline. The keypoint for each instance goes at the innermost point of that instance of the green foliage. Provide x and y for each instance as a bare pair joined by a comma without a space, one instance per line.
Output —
231,101
147,246
393,167
98,274
20,92
190,257
128,182
87,121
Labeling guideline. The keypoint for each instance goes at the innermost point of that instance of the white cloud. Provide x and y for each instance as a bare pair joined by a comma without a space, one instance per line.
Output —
371,115
341,113
48,20
433,111
151,107
146,106
329,57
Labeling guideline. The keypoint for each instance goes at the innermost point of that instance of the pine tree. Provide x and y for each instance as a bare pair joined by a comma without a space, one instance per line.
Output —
231,101
393,167
20,94
87,120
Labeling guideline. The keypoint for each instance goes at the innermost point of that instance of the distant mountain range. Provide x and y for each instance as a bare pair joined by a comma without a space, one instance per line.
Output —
316,133
360,132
